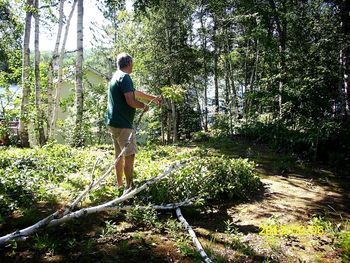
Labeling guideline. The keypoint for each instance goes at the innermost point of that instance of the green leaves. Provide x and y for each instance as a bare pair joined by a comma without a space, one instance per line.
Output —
175,93
208,177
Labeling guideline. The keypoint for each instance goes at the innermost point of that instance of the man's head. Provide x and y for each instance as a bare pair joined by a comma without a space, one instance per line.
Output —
124,62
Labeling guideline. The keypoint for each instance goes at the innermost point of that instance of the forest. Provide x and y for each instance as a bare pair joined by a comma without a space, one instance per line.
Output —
247,158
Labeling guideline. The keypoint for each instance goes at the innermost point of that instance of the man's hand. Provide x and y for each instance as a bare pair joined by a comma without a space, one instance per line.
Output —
158,100
145,107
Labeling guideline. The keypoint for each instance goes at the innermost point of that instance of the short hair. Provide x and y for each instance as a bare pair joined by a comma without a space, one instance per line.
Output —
123,60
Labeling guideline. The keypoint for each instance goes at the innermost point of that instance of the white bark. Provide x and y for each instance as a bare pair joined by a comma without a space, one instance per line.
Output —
29,230
39,115
193,235
60,74
174,121
52,69
157,207
79,77
112,203
93,183
23,127
51,221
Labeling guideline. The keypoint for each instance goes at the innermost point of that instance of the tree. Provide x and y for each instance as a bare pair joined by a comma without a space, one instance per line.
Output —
77,137
23,129
38,106
52,131
52,65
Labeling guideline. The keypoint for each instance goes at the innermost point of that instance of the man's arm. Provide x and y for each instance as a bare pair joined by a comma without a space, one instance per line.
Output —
144,96
133,102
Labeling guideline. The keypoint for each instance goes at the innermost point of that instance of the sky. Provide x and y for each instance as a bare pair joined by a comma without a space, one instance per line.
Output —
91,14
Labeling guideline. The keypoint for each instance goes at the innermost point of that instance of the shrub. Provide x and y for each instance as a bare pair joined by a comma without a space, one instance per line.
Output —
209,178
328,142
26,173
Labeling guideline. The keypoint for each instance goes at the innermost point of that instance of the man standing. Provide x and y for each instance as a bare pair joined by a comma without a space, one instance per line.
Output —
122,105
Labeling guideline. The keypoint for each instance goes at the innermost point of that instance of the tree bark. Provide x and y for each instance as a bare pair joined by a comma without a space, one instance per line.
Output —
23,128
174,121
205,71
193,235
38,106
52,69
52,221
216,58
233,90
77,137
345,20
60,74
169,121
281,27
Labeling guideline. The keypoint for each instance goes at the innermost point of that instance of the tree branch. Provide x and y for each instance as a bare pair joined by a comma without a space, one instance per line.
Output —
51,221
111,204
48,6
193,235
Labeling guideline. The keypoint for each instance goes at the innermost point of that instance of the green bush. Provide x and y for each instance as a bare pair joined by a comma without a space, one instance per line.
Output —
208,178
146,217
26,173
328,143
201,136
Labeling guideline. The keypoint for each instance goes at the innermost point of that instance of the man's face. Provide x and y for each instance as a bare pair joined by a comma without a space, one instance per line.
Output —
131,64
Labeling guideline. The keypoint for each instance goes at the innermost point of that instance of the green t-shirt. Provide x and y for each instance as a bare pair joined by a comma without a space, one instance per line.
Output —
119,113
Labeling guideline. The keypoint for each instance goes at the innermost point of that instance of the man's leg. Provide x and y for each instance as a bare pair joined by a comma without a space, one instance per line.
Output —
129,169
119,170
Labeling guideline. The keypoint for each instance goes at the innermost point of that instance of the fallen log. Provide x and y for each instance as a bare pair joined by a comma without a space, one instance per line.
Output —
52,219
193,235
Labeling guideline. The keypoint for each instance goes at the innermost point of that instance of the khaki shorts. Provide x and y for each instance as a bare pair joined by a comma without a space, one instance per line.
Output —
120,137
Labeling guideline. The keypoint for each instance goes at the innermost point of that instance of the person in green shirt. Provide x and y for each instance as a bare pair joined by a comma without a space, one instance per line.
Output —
122,104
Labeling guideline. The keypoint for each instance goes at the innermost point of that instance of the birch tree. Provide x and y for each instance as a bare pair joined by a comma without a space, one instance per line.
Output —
60,74
38,106
52,64
77,137
23,128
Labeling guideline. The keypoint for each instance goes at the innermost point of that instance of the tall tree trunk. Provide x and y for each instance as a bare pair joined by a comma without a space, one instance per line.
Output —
345,18
77,137
169,121
233,90
162,131
255,67
199,109
39,113
174,121
342,84
216,58
227,74
205,71
246,88
52,67
23,128
282,35
60,74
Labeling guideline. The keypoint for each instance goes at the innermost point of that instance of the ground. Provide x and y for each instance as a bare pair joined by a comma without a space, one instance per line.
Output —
308,200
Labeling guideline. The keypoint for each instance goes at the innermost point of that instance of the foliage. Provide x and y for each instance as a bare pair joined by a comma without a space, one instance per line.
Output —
146,217
327,143
27,174
10,45
174,93
345,245
209,178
